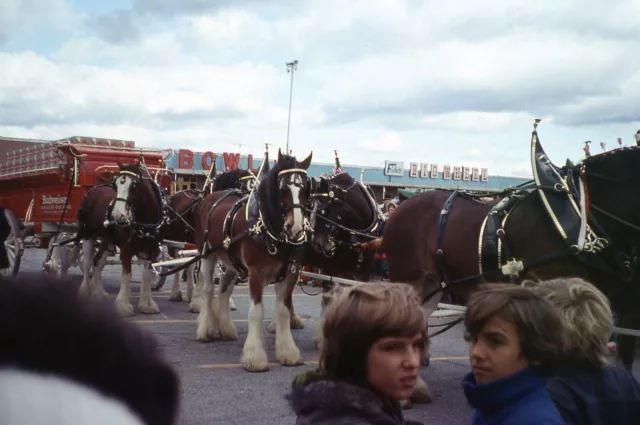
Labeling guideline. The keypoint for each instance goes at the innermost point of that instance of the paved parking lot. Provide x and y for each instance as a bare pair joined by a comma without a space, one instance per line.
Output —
217,390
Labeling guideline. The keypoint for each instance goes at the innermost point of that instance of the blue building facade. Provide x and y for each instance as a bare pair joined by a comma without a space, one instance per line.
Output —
197,164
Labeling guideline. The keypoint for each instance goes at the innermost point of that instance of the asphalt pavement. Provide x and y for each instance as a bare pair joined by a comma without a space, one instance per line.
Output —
217,390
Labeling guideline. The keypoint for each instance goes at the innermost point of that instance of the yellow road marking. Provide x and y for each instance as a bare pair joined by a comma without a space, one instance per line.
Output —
309,362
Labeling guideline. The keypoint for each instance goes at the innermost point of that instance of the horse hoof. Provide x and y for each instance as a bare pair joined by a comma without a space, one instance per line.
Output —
205,335
297,322
177,297
232,305
229,333
125,309
256,370
254,359
271,327
256,367
288,356
149,308
194,308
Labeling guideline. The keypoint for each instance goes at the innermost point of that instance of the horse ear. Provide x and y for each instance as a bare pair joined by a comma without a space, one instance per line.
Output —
280,159
306,162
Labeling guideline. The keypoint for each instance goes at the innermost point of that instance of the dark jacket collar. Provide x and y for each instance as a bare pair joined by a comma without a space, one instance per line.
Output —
313,392
501,392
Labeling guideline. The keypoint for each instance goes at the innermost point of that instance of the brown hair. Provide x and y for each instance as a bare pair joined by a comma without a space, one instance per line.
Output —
586,314
358,316
539,325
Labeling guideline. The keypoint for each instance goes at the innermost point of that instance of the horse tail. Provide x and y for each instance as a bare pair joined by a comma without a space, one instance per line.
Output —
372,246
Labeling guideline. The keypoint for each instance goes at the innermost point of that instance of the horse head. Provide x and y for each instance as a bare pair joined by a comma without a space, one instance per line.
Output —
234,179
125,184
284,197
340,205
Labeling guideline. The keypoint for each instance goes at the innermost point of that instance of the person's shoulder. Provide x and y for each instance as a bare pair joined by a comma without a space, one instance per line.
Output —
616,377
319,401
538,408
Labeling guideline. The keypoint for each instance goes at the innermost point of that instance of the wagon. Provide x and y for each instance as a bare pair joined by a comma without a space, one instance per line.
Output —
42,187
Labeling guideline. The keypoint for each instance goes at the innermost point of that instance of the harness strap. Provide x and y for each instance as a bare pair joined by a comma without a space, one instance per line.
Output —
442,223
494,275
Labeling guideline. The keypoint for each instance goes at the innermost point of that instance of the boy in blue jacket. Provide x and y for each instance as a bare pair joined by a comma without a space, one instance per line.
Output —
515,339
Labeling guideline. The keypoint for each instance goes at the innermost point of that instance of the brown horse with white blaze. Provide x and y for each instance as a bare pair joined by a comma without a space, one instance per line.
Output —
261,235
128,213
182,222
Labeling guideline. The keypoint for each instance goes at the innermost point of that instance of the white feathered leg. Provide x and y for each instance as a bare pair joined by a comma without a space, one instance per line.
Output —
147,305
206,319
196,301
87,260
176,292
228,281
287,352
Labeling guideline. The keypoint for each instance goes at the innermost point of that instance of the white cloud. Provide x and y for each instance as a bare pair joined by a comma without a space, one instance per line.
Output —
25,17
386,143
378,79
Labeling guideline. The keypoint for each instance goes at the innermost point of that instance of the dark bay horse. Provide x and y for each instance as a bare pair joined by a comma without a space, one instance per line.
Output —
182,223
577,220
258,235
129,214
342,212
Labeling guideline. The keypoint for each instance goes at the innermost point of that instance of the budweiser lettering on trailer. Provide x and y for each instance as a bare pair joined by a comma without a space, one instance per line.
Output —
47,200
53,204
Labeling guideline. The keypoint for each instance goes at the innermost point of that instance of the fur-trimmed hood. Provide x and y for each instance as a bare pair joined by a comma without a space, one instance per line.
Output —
317,401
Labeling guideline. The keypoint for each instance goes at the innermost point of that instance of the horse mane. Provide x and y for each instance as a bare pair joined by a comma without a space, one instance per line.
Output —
268,192
133,168
346,181
229,179
616,164
341,179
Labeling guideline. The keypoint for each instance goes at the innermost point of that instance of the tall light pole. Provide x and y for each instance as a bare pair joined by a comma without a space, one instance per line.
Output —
291,67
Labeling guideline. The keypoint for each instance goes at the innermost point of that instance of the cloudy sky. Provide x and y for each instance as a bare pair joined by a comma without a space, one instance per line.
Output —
455,82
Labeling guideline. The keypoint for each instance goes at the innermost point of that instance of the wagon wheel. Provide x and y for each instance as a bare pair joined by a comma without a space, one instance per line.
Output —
13,245
59,261
164,255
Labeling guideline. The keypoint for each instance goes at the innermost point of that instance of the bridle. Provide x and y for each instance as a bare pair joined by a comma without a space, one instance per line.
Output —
135,178
304,183
333,195
140,228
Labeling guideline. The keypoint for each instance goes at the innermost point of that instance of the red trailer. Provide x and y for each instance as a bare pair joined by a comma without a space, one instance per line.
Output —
42,186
